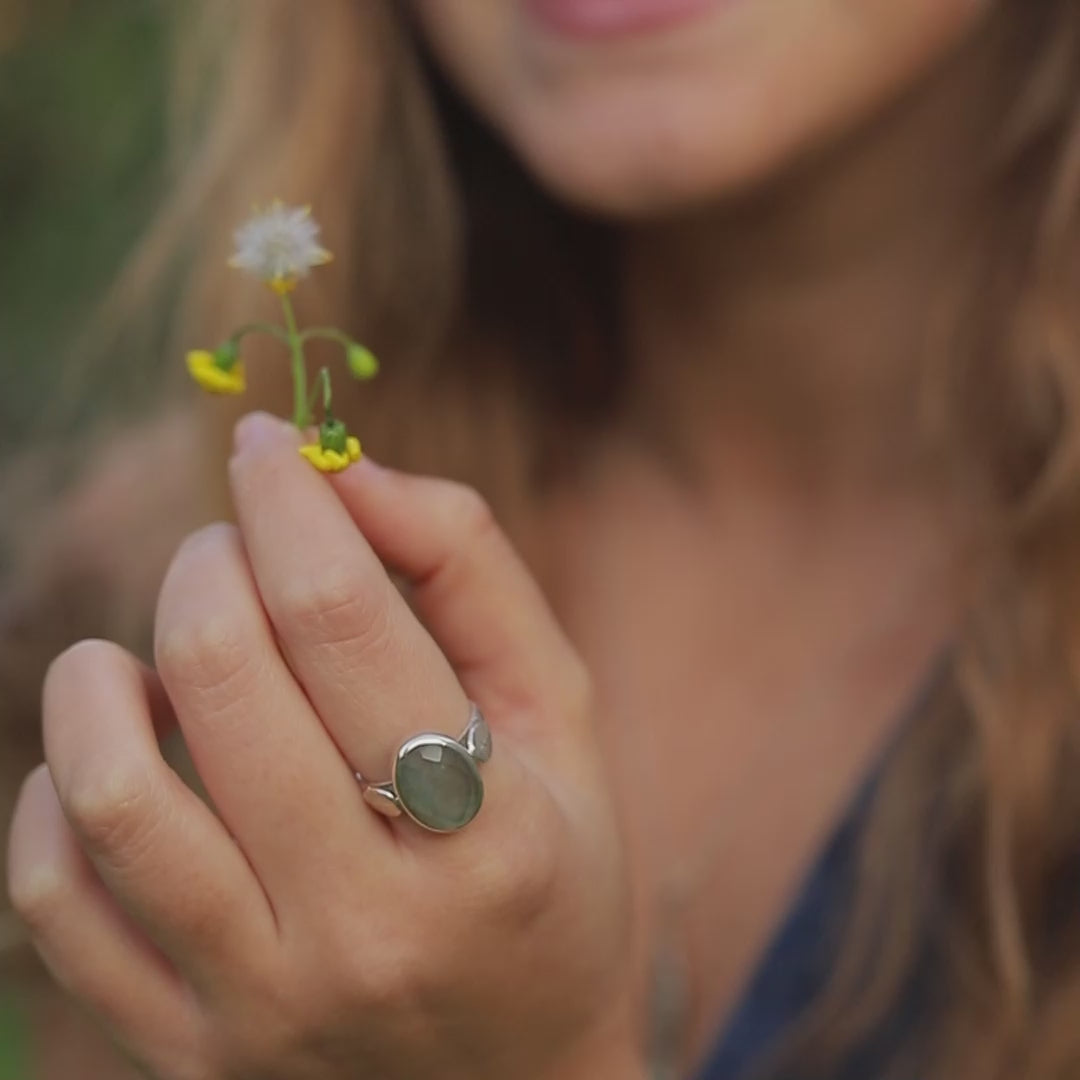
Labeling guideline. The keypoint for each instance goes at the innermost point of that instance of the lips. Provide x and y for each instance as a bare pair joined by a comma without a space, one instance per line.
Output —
612,18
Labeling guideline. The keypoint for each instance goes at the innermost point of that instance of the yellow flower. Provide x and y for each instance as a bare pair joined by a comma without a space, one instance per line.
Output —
331,461
211,376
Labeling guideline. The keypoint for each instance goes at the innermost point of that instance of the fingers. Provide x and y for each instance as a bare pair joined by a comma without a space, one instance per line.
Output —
158,849
90,946
474,593
372,672
279,783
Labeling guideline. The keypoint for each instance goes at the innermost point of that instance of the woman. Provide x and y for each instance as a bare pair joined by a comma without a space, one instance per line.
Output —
756,324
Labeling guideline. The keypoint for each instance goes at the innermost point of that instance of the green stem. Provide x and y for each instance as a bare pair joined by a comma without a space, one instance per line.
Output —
301,409
261,328
328,333
322,382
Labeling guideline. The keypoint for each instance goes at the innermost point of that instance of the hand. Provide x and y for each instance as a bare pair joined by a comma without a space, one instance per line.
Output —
297,933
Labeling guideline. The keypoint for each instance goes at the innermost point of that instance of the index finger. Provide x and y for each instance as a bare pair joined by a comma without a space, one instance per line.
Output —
373,674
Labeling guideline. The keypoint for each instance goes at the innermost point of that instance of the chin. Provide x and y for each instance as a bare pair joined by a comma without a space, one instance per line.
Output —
650,124
647,159
621,185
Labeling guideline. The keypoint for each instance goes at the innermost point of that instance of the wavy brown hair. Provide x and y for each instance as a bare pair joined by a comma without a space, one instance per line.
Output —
497,304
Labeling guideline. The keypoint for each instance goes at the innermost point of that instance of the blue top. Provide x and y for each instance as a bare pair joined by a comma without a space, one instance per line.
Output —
799,962
796,967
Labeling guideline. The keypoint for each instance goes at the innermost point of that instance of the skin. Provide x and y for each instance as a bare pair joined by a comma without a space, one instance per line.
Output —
769,166
224,954
676,117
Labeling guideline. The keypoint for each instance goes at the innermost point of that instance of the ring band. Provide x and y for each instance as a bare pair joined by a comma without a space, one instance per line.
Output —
435,780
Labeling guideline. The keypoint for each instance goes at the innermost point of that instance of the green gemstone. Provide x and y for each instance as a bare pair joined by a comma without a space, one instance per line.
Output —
438,783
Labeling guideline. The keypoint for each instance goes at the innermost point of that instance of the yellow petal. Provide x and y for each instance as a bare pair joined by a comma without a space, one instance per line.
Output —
352,447
212,378
327,461
314,453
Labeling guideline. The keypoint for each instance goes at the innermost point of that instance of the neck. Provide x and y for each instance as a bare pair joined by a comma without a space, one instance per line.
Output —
785,331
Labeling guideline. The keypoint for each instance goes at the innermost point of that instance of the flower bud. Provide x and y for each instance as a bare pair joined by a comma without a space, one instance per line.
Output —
361,361
333,435
226,355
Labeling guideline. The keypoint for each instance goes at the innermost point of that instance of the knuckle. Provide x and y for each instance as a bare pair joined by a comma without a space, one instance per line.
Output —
113,810
391,975
200,553
210,542
516,883
40,880
197,642
471,514
208,654
337,605
283,1021
377,965
39,894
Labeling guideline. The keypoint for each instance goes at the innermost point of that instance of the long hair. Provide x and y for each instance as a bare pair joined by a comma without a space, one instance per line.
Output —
495,308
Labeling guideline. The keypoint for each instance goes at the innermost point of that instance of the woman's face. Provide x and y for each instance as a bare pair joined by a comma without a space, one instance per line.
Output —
637,107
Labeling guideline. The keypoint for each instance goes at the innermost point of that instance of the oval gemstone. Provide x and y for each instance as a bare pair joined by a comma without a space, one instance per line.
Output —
438,783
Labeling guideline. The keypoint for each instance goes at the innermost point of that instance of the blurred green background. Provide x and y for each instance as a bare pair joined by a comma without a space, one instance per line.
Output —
13,1049
82,141
82,133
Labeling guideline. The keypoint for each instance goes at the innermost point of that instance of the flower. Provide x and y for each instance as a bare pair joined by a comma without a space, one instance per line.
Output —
218,372
336,448
279,245
326,460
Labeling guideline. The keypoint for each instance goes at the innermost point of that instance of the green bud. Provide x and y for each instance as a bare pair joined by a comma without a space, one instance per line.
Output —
226,355
362,362
333,435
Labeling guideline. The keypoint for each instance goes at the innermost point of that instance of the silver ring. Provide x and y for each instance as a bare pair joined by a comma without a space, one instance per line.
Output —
435,780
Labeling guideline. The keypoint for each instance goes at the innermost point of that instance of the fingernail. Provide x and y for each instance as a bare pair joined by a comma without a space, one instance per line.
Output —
259,429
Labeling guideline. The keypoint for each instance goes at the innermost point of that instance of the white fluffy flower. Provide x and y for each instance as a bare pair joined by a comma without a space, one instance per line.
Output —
279,245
